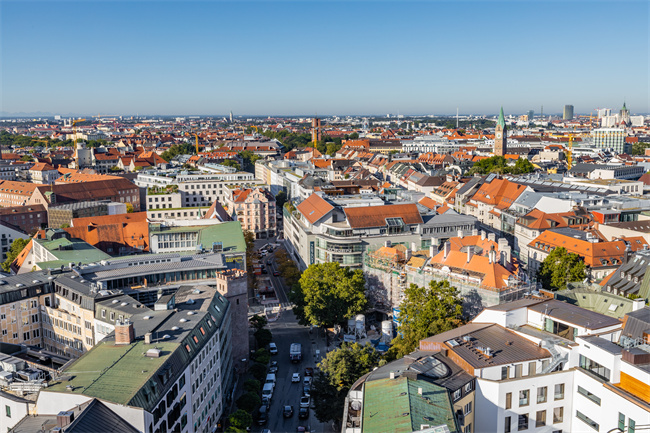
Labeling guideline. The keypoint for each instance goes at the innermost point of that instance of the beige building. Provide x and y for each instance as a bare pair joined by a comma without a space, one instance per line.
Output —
255,209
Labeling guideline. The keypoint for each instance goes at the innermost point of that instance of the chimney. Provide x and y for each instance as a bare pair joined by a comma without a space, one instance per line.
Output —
492,255
147,338
492,237
460,234
626,255
420,391
433,250
124,332
447,249
503,242
387,244
470,252
638,303
482,235
474,232
64,418
414,247
392,375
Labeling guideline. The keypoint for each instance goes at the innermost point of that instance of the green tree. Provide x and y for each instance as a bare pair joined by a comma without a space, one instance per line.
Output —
249,401
258,371
337,373
559,268
252,385
249,157
280,199
231,163
425,312
263,337
129,208
17,246
240,419
27,158
262,356
328,294
258,322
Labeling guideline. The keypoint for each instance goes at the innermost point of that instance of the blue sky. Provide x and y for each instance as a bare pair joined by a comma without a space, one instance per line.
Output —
312,57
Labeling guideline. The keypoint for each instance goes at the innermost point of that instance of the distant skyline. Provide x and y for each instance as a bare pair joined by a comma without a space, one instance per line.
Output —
318,58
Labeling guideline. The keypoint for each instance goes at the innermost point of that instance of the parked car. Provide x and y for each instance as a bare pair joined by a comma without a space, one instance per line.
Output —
303,429
309,371
303,413
263,416
306,380
273,348
274,367
306,390
276,273
295,378
287,412
305,401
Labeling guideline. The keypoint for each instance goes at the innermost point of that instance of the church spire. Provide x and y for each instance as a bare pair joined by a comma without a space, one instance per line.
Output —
502,121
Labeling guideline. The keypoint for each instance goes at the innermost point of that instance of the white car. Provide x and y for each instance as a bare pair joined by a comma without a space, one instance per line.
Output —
273,349
306,380
295,378
305,401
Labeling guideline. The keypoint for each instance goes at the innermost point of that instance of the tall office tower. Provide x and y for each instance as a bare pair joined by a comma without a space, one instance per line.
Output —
568,112
531,115
500,139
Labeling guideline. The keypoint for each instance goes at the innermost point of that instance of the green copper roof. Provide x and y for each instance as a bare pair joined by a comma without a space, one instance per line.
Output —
394,405
502,120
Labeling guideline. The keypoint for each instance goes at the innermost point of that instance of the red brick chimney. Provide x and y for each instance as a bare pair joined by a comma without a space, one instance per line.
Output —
124,332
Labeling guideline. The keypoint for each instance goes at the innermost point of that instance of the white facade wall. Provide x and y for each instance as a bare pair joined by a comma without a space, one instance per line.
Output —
11,412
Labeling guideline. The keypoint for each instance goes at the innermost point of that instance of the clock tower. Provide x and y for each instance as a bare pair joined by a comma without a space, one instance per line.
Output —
500,140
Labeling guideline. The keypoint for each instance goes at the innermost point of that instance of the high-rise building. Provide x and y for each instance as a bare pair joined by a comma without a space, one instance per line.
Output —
500,136
315,129
531,115
568,112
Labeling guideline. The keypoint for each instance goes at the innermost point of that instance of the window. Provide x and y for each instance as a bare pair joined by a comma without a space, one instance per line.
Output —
589,395
457,394
523,397
594,368
590,422
558,415
506,424
541,394
468,387
8,411
621,421
523,422
540,418
532,368
508,400
505,372
631,427
468,408
559,391
468,428
518,369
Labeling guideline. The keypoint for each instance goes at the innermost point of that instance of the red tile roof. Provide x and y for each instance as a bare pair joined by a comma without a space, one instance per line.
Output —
314,208
375,216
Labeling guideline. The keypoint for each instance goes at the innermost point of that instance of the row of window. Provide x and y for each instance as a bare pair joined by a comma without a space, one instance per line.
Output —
540,420
524,395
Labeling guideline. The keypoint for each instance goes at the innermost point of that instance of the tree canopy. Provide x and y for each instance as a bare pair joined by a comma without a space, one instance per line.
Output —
178,149
338,372
329,294
280,199
16,247
498,164
240,420
425,312
559,268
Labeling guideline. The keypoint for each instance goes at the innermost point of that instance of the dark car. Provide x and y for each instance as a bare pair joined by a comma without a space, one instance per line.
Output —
263,416
306,390
287,412
274,367
303,413
276,273
309,371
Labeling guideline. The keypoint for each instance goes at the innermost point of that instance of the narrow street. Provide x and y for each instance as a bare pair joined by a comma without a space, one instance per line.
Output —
286,331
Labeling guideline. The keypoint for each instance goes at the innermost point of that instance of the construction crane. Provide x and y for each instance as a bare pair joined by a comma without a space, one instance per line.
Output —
74,129
196,136
569,153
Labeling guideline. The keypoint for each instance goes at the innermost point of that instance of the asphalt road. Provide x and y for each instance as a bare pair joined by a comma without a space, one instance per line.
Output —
286,331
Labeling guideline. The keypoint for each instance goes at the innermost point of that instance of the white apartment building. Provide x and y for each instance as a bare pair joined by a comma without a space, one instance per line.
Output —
548,366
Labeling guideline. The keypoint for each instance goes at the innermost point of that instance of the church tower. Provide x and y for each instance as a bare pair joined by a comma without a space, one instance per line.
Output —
500,140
